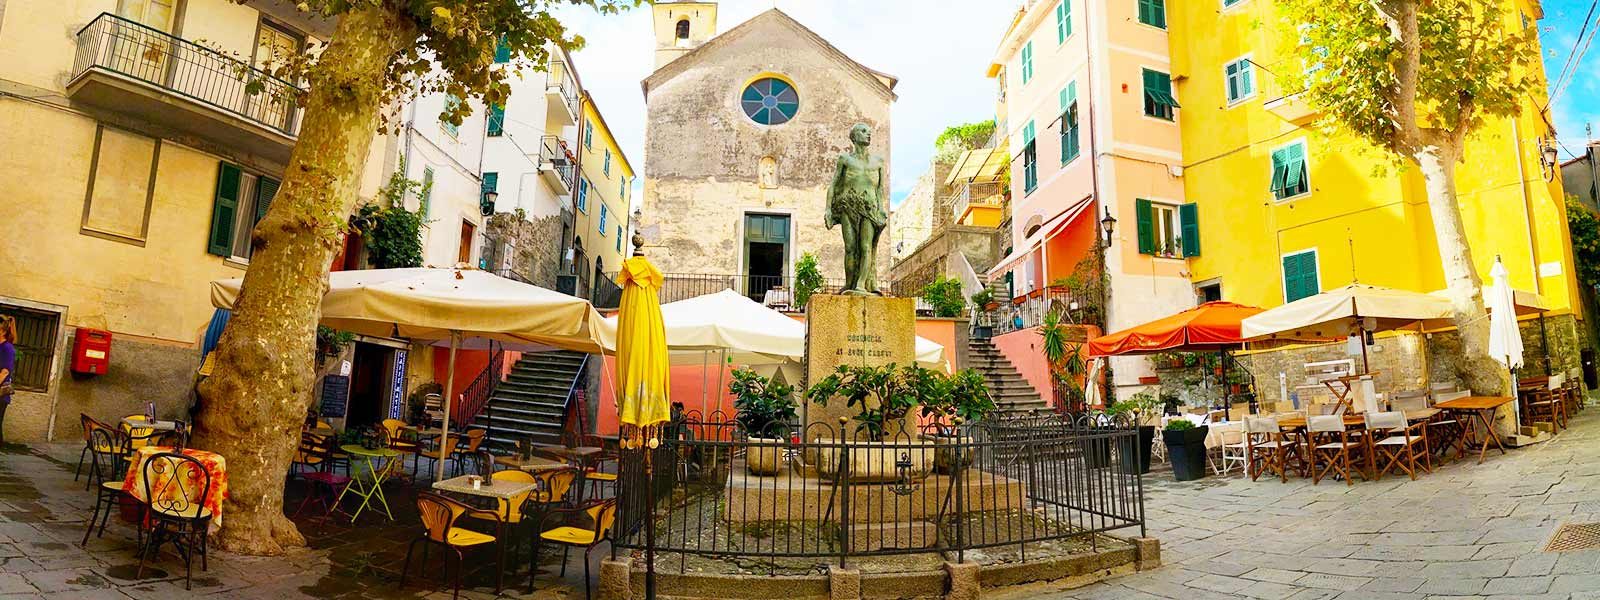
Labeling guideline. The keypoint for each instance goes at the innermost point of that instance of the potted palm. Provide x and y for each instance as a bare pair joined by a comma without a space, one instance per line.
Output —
1186,448
765,409
1065,365
882,397
1137,407
962,398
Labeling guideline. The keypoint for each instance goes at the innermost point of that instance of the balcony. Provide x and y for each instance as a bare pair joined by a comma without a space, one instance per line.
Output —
561,96
555,165
1285,95
176,84
972,196
1292,108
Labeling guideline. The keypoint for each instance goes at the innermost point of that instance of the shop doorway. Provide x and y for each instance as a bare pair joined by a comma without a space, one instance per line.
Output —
766,251
369,385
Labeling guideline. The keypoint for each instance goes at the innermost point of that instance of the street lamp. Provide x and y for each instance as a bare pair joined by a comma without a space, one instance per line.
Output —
1548,158
1108,223
486,205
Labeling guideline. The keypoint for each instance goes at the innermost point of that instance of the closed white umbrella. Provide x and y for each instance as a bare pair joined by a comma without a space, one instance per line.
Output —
1505,338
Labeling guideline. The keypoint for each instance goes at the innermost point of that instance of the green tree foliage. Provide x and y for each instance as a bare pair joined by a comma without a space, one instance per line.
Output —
1584,226
961,138
807,279
1415,78
765,406
944,294
392,234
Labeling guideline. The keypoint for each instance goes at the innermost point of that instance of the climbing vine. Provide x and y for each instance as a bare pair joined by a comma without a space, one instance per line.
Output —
1585,228
393,235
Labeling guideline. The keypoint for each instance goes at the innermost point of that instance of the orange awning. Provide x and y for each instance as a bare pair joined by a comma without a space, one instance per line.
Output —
1048,230
1210,326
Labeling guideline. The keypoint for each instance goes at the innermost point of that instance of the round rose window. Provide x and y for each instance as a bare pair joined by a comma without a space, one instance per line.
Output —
770,101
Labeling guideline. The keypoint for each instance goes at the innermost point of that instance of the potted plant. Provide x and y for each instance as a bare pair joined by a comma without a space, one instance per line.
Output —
1186,448
882,397
1065,363
985,298
765,409
962,398
1137,407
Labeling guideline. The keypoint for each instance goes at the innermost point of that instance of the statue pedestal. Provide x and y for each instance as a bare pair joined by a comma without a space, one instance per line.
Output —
857,331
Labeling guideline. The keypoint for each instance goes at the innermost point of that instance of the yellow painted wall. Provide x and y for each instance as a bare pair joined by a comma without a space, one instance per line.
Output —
604,189
981,215
1375,228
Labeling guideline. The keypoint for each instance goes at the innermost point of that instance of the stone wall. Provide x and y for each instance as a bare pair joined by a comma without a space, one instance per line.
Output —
141,371
536,242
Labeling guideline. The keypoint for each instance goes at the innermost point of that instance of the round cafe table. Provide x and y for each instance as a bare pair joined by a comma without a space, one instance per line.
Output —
371,486
215,465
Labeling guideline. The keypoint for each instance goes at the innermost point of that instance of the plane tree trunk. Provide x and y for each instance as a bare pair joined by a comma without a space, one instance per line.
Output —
253,405
1474,367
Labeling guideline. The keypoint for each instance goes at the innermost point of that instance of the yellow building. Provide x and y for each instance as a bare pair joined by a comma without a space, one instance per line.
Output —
604,199
1300,212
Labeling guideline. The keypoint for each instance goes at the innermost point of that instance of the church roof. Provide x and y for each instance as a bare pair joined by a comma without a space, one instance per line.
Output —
883,81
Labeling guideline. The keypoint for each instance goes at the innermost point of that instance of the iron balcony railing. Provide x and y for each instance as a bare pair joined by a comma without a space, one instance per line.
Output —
775,291
560,80
554,152
117,45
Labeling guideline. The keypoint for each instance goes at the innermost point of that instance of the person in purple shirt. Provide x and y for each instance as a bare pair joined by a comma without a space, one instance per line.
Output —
8,365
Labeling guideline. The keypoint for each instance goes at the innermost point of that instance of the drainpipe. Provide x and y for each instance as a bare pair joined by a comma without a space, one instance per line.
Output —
1527,204
1108,377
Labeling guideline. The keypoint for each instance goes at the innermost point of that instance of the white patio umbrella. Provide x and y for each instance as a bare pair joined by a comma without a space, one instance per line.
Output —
1505,338
445,306
1355,308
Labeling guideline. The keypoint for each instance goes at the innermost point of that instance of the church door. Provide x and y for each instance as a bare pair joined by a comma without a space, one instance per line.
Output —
766,251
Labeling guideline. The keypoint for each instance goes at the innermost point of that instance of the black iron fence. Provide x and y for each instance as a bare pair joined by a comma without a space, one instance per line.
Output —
1034,484
775,291
188,69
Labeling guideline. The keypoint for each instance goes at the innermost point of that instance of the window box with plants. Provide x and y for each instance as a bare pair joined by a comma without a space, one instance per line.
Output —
1186,448
765,412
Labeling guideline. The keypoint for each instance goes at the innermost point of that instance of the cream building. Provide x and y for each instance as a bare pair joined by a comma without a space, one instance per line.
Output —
741,137
912,221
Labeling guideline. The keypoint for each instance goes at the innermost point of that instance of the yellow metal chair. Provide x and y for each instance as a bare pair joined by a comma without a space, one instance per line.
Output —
439,515
463,452
601,515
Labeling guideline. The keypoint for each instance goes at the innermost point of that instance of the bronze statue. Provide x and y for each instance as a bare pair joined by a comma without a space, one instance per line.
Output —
857,200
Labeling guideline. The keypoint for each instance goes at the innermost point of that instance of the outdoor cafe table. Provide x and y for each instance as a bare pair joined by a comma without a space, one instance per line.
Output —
134,483
157,425
377,461
497,489
577,453
533,464
1482,406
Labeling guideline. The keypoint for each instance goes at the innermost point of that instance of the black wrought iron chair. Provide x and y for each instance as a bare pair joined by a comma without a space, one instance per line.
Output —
175,491
103,442
106,456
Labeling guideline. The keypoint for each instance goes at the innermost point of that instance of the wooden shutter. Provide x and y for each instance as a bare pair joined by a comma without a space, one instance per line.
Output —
1189,224
1294,167
1063,21
497,120
1144,217
1299,276
502,51
224,209
1279,168
266,190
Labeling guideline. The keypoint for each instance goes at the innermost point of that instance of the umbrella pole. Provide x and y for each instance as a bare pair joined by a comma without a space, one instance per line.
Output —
1362,331
649,524
1222,383
449,396
705,377
722,367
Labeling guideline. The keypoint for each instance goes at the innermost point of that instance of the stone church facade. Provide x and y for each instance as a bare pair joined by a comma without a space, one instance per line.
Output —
742,133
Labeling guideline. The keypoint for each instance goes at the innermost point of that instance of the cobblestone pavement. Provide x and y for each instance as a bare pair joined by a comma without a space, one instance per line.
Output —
1464,531
43,513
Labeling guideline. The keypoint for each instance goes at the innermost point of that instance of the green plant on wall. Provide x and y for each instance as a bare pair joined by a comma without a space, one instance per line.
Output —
983,298
1584,226
331,342
945,296
393,235
765,406
807,279
1065,362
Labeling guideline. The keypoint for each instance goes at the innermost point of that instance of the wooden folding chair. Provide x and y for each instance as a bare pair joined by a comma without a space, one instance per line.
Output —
1331,442
1399,447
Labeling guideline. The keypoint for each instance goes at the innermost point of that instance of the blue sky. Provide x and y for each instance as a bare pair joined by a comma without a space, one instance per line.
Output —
942,75
1558,31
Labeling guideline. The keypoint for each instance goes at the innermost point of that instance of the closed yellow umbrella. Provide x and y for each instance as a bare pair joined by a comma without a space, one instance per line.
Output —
642,359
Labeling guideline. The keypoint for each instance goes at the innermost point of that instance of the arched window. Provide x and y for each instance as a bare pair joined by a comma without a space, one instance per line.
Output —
683,29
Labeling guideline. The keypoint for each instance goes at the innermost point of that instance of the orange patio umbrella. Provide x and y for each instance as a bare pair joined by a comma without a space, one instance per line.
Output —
1210,326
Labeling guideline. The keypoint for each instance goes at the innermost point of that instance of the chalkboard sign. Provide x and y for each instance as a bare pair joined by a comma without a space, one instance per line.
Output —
335,395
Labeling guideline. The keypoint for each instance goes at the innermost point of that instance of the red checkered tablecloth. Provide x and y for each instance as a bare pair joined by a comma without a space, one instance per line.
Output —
214,464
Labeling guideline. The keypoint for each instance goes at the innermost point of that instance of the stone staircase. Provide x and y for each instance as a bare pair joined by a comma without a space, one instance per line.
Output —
532,401
1011,392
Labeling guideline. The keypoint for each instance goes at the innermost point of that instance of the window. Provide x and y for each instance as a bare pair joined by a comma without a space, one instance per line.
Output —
240,202
1289,175
1167,230
491,182
1030,159
35,346
622,191
1319,51
1300,275
1240,79
619,239
1063,21
451,103
425,195
502,51
606,168
1027,62
1228,3
497,120
770,101
1158,100
682,29
1069,122
1153,13
583,195
605,213
588,134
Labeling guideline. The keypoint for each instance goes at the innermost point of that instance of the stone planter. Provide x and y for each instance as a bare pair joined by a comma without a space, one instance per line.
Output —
944,455
874,462
764,456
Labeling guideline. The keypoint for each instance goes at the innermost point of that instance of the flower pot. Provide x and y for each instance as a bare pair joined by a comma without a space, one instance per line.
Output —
1135,455
1150,380
991,305
764,456
874,462
1097,448
944,454
1187,451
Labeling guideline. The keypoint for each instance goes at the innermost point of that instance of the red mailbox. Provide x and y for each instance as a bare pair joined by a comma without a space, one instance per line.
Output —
91,351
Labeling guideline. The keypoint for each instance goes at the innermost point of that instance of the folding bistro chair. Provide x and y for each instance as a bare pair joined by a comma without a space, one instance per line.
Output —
1399,446
1331,442
1234,448
1265,448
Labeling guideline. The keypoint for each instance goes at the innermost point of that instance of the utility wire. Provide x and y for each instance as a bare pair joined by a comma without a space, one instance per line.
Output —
1575,57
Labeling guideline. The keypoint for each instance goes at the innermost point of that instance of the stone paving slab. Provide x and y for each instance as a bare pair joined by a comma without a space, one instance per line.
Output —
1463,531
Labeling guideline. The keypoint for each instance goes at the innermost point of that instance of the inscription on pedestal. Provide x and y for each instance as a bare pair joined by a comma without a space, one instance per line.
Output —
856,331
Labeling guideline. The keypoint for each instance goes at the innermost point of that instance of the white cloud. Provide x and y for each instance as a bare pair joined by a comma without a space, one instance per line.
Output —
939,49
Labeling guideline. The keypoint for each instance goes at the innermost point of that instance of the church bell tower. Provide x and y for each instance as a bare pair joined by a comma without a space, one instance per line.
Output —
681,27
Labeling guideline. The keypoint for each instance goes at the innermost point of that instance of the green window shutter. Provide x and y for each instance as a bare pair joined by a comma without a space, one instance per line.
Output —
1280,168
451,102
1189,226
266,190
491,182
1294,169
604,212
619,239
607,166
1027,133
425,198
1299,276
1069,122
502,51
1144,216
224,209
1063,21
497,120
1153,13
1027,62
